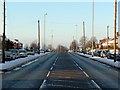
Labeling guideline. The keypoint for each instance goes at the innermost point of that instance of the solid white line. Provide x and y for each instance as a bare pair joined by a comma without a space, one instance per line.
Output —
43,84
96,85
85,74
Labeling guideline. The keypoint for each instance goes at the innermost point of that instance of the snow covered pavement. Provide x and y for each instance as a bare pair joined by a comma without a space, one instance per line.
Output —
103,60
9,65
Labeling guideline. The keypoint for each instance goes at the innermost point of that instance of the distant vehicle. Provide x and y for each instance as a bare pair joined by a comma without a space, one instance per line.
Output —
104,53
97,53
15,52
22,53
9,55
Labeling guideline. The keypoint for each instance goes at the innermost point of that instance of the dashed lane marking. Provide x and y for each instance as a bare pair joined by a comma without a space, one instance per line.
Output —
85,74
48,74
43,84
96,85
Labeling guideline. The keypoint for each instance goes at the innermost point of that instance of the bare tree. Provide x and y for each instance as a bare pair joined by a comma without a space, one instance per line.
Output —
74,46
33,46
89,43
83,41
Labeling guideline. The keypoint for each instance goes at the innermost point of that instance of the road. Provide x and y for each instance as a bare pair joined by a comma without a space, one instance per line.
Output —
62,71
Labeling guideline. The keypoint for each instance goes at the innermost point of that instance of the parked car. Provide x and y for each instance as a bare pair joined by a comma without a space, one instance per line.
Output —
110,55
9,56
22,53
30,52
97,53
15,52
104,53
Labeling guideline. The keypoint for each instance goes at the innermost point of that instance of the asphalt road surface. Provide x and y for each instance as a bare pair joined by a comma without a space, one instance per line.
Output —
62,71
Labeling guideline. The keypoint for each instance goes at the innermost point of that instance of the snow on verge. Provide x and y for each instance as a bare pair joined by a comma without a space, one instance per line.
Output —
103,60
18,62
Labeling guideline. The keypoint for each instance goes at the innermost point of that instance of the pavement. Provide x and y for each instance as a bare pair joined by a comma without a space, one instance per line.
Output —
10,65
109,62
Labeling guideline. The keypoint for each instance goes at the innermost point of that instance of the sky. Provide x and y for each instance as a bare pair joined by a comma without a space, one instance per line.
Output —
22,17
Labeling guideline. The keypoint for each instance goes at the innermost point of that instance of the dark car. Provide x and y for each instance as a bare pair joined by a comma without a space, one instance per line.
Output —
22,53
9,55
97,53
104,53
15,52
110,55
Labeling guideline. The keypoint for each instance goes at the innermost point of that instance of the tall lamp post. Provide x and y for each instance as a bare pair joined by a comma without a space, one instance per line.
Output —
45,30
84,35
107,36
92,28
115,15
3,37
38,35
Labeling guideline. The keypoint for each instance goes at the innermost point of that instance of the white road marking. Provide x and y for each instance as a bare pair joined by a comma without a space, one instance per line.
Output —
48,74
80,68
85,74
51,68
96,85
43,84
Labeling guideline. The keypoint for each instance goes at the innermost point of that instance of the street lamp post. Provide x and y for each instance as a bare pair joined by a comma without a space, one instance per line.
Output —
38,35
44,30
3,37
107,36
115,15
83,35
92,28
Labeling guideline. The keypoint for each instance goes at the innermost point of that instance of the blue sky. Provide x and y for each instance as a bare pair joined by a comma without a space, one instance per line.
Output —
21,20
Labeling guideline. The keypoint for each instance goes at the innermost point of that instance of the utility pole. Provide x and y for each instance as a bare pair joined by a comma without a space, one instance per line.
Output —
107,36
119,27
115,15
38,35
83,35
44,30
92,28
3,37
